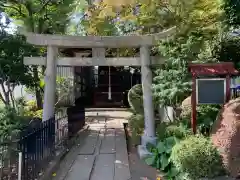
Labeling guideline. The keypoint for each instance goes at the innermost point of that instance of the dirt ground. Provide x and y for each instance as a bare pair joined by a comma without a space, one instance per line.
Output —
138,168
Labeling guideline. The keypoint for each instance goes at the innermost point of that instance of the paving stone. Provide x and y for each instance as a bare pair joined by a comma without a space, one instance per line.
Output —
104,167
108,143
100,139
82,167
88,148
122,171
105,140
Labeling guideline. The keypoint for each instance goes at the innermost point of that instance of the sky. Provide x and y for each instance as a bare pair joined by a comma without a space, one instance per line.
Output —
11,28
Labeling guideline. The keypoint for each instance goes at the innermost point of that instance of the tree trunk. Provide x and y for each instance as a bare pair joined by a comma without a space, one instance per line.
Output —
5,95
37,89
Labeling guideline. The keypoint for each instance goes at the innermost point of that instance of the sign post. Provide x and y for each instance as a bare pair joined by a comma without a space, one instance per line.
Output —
210,90
194,106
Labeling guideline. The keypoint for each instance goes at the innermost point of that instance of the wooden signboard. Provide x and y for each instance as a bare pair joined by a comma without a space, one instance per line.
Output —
211,91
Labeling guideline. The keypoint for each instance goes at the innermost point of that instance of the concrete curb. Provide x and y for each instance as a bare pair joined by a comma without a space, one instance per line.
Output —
216,178
105,109
220,178
54,164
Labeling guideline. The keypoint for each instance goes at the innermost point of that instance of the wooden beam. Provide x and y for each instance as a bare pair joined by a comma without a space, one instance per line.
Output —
97,41
82,61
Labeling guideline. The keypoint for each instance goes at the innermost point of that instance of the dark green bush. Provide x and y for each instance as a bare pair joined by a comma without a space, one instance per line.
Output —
206,115
136,125
135,99
10,124
197,158
165,130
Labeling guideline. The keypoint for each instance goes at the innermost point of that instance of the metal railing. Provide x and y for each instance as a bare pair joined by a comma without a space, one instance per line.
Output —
28,156
37,147
61,135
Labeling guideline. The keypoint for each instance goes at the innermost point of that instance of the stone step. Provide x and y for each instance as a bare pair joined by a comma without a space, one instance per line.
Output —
81,168
104,167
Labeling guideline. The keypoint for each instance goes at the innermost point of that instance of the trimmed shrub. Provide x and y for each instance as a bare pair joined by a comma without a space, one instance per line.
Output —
135,99
136,125
197,158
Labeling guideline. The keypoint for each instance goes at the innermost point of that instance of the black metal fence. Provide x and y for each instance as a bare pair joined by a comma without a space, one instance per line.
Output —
61,126
37,147
38,144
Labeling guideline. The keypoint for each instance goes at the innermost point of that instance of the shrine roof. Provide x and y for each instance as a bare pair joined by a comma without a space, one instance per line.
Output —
223,68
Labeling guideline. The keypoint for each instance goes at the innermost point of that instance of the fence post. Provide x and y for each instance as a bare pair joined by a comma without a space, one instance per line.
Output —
19,165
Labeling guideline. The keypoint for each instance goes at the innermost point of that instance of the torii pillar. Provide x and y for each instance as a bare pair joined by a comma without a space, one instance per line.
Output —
50,83
149,121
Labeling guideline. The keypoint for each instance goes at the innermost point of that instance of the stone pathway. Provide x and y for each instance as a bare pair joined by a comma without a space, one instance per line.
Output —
101,153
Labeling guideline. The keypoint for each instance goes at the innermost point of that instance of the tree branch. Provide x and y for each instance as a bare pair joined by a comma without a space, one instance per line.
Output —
13,100
2,99
5,93
44,5
16,9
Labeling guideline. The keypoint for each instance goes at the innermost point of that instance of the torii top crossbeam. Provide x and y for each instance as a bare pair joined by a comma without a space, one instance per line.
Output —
98,41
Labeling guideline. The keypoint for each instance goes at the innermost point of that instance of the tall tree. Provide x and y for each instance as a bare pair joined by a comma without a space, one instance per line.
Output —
123,17
38,16
199,29
13,47
232,11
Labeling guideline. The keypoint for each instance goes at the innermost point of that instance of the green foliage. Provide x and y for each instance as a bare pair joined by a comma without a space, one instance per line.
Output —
164,130
197,158
43,17
229,50
31,105
31,109
136,125
135,99
10,124
170,86
31,113
206,115
196,35
160,157
232,11
13,72
64,87
39,16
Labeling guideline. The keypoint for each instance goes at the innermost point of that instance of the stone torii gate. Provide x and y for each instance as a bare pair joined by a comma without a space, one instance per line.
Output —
98,45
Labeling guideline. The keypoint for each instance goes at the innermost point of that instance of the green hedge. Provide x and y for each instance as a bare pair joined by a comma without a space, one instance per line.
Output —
136,125
196,158
135,99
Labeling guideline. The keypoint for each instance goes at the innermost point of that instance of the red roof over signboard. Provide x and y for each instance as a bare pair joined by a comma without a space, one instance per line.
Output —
224,68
